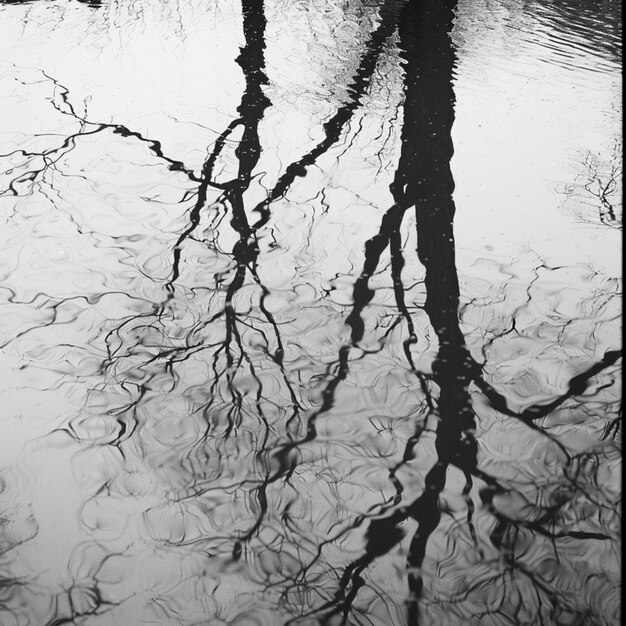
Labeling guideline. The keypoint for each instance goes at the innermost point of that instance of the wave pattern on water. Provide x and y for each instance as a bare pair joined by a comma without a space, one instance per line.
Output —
253,370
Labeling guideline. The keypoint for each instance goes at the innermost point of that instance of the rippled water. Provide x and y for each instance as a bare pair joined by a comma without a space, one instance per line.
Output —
310,312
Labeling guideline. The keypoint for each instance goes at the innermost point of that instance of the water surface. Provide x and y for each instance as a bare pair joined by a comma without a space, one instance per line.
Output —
310,312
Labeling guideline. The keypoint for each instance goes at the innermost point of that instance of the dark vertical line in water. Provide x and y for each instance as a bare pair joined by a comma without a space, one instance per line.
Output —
251,110
253,104
424,181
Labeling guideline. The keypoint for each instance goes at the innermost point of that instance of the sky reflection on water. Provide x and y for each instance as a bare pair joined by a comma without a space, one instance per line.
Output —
310,312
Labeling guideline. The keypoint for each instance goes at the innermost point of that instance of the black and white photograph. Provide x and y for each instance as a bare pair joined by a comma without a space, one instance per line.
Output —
310,312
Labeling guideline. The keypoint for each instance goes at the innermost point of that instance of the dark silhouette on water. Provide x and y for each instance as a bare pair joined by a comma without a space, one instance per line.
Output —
422,183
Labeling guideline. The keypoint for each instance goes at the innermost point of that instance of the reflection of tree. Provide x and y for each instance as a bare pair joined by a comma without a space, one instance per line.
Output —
598,187
423,180
217,420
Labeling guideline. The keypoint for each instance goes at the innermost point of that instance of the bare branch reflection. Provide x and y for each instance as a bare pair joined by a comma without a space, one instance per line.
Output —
278,392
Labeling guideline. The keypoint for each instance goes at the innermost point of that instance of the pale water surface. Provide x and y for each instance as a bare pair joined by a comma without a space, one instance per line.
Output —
310,312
